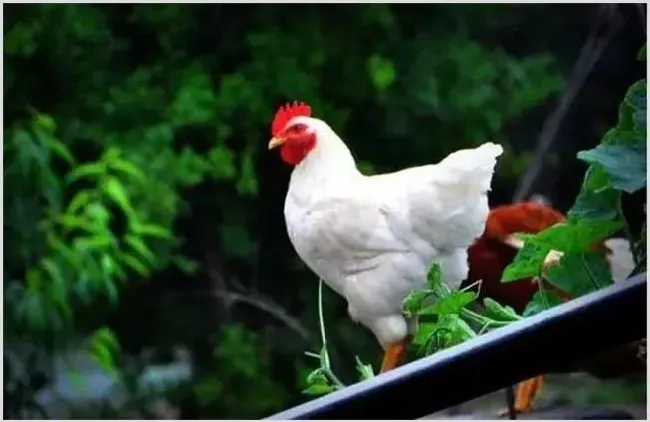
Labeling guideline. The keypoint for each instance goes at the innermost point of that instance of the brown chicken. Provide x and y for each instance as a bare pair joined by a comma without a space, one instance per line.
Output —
496,249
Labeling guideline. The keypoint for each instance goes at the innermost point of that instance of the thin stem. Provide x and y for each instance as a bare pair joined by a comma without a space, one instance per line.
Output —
480,319
327,370
320,313
542,293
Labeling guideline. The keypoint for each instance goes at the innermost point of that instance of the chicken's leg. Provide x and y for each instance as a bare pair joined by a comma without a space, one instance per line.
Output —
394,355
526,393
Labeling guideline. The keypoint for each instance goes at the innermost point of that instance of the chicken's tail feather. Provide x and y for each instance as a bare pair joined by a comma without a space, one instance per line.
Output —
472,168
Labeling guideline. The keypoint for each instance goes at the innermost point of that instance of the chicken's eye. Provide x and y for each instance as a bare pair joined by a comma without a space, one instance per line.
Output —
296,129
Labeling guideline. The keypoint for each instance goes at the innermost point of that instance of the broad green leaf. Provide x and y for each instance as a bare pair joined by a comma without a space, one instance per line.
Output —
499,312
576,236
413,302
636,98
625,164
423,333
527,263
597,200
451,304
580,273
86,170
541,301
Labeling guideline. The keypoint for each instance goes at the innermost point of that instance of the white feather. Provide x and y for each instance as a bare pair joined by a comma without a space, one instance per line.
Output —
372,239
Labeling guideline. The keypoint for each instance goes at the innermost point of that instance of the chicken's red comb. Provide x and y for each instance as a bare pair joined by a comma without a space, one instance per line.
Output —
288,112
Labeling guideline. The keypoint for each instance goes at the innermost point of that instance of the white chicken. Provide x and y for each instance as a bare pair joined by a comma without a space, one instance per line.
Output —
372,239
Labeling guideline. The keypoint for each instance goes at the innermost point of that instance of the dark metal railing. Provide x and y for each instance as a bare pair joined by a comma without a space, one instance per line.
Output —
547,342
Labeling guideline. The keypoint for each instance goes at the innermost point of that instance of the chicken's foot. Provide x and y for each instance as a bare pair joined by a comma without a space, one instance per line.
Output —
394,355
525,394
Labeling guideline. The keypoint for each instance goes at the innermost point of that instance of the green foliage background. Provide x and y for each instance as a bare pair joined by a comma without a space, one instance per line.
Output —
138,188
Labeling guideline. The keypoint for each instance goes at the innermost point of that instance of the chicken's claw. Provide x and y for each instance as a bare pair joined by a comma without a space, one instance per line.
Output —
394,355
525,395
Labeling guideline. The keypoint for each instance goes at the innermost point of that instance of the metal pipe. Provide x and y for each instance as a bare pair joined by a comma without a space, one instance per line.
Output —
536,345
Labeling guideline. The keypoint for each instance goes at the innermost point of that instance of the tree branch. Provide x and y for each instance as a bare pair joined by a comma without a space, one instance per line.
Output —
589,55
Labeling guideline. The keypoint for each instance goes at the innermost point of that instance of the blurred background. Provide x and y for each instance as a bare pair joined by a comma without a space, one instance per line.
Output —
147,270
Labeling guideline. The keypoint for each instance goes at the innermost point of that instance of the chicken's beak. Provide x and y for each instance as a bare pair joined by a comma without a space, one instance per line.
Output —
276,142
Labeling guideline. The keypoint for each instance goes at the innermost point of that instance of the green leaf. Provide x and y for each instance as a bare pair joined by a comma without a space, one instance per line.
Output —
580,273
365,370
81,199
316,377
57,282
434,277
136,265
624,163
140,247
636,99
527,263
597,200
186,265
382,72
58,148
106,337
541,301
92,243
115,190
499,312
45,123
129,169
152,230
86,170
450,304
413,302
576,236
319,389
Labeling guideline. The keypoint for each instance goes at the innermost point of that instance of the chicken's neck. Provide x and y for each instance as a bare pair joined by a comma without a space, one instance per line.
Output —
329,162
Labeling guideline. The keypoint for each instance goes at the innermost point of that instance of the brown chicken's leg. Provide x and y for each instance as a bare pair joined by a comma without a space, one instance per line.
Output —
525,394
394,355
